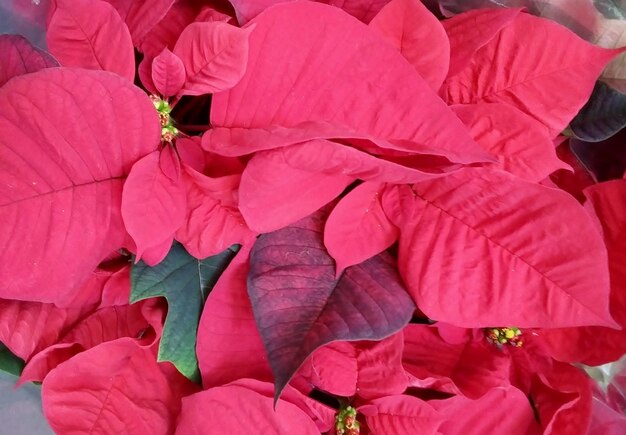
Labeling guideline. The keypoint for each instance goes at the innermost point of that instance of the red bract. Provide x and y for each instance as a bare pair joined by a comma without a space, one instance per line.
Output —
61,181
451,225
91,34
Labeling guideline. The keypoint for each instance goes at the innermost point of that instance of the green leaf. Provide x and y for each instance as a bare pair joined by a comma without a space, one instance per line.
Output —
184,282
10,363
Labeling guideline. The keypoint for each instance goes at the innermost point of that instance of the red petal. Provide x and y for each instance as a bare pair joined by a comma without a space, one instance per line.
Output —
274,194
116,387
229,345
215,56
523,146
550,84
596,345
153,206
301,68
410,27
61,182
20,57
168,73
90,34
472,257
470,31
357,228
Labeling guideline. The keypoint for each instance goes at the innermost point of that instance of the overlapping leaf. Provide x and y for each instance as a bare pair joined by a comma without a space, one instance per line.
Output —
299,305
312,62
185,282
464,264
61,182
91,34
550,85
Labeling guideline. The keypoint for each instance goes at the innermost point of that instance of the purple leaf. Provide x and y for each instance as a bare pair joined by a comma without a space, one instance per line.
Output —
299,305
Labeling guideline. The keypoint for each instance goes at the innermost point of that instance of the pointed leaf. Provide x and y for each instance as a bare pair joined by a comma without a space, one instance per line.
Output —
595,345
185,282
90,34
20,57
550,84
410,27
472,257
401,414
153,205
470,31
229,345
168,73
602,116
215,56
141,17
236,409
273,194
61,182
116,387
311,48
358,228
299,305
522,145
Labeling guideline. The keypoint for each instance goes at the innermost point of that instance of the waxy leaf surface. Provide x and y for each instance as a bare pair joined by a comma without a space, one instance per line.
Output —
10,363
116,387
550,84
61,182
215,56
472,256
299,305
312,62
410,27
185,282
20,57
90,34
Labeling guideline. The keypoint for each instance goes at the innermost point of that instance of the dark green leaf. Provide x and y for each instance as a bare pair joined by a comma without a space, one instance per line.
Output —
602,116
185,282
10,363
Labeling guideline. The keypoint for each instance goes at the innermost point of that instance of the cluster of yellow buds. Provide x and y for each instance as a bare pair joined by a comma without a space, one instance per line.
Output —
163,108
511,336
346,423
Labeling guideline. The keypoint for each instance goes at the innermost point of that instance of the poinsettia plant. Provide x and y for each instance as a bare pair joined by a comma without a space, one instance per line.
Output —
307,217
